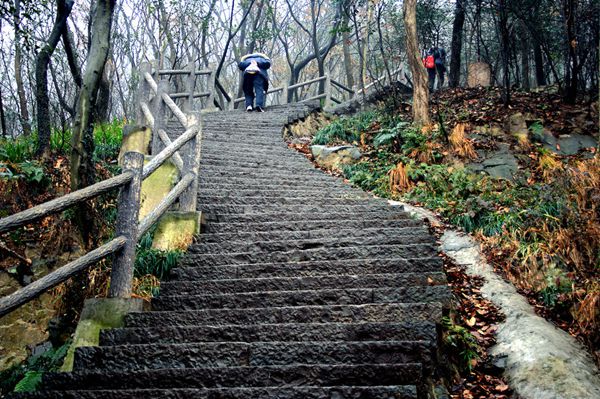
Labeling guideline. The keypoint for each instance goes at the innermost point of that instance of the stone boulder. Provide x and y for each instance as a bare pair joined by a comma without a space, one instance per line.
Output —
479,74
334,157
500,164
516,126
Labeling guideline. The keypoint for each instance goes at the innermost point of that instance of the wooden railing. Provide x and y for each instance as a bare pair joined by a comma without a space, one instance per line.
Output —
153,104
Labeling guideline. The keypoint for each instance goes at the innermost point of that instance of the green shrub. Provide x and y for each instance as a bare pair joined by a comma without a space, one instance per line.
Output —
345,129
27,376
153,261
107,140
459,340
17,150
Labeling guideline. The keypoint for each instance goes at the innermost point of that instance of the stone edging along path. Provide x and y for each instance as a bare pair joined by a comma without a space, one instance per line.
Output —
542,361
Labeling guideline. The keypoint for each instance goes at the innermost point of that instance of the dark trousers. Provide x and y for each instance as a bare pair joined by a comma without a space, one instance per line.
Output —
431,72
255,84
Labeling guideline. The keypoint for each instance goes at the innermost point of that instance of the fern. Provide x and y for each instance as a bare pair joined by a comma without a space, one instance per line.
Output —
30,381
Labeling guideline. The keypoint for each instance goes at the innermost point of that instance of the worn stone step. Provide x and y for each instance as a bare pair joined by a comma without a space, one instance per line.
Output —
256,172
223,223
405,331
323,181
341,200
192,269
231,185
394,313
353,296
286,192
291,163
203,287
304,392
312,234
279,154
356,252
331,241
231,354
238,377
295,211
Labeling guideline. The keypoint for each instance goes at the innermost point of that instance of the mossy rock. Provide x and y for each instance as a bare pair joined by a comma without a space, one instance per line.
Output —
100,314
156,186
176,230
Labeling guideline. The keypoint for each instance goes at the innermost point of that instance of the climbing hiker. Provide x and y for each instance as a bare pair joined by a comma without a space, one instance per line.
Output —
256,80
435,62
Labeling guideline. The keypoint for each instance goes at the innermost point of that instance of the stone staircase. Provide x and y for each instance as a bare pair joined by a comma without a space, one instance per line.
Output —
300,287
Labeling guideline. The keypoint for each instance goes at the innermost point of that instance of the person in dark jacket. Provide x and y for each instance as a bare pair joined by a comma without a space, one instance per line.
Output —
439,69
256,80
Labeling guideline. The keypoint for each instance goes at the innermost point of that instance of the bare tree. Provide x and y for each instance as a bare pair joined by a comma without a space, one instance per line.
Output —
24,112
456,47
420,86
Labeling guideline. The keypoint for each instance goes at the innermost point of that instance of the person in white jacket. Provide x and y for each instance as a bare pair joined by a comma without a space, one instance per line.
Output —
256,80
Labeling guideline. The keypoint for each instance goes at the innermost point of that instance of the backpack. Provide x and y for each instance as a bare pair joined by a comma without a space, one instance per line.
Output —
429,61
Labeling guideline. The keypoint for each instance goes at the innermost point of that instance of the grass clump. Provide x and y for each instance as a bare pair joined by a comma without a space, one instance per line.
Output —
345,129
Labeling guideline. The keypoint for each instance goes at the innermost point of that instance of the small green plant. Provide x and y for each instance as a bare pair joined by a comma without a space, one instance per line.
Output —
461,343
153,261
345,129
390,135
27,376
107,140
17,150
537,131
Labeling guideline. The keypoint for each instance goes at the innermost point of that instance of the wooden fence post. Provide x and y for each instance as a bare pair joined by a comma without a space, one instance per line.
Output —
211,87
127,226
190,88
191,163
159,111
143,93
284,94
327,102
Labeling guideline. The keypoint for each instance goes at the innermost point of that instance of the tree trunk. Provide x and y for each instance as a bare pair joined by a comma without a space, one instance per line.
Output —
456,47
420,85
504,50
103,101
2,117
365,47
346,49
540,74
63,9
524,38
82,165
18,68
572,67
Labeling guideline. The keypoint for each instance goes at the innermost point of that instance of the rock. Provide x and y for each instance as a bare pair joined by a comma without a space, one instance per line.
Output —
500,164
333,157
492,130
479,74
516,126
571,144
176,230
157,186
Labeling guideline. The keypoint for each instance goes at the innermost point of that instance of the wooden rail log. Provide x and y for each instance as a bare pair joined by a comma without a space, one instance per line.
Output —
167,152
167,142
295,86
64,202
38,287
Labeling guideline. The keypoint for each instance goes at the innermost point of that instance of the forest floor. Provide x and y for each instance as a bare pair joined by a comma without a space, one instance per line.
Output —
523,180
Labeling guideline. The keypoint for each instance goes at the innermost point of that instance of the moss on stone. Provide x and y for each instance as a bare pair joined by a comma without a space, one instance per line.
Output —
176,230
99,314
135,138
156,187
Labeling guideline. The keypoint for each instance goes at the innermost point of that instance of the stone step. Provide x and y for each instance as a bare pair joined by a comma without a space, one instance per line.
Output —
278,154
341,199
393,313
223,223
238,377
203,287
294,164
195,271
353,296
285,192
312,234
294,212
241,182
304,392
362,252
256,172
231,354
331,241
405,331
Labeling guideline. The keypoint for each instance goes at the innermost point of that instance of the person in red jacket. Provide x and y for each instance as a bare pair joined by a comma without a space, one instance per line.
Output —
256,80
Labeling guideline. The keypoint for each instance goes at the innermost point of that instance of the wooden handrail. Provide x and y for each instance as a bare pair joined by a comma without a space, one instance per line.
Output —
295,86
341,86
62,274
60,204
